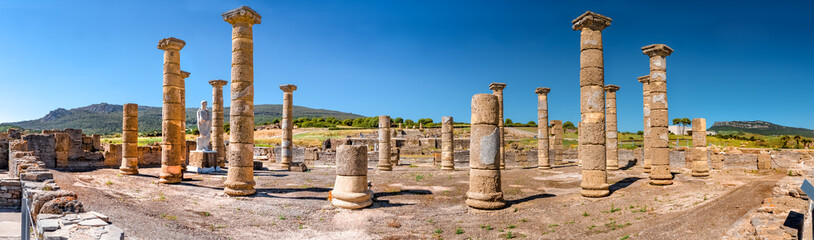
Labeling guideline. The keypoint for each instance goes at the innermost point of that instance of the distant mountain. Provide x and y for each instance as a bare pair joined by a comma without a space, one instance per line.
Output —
106,118
759,127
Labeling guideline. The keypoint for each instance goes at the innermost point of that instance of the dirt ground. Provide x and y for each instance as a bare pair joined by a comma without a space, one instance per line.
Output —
417,201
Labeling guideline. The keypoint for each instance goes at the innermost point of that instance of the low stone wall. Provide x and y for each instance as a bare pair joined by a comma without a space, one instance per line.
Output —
10,193
4,152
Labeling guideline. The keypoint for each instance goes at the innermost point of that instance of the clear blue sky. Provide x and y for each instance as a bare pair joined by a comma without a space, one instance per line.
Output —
733,60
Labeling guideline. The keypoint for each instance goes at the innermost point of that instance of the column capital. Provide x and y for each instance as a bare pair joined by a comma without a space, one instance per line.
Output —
657,50
288,87
242,14
171,43
218,83
611,88
591,20
542,90
184,74
496,86
644,79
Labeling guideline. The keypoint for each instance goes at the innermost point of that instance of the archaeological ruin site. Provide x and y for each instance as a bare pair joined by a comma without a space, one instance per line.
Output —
213,172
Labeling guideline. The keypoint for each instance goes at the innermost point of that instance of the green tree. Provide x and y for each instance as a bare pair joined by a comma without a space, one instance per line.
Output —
797,139
508,122
568,125
409,122
347,122
226,127
398,120
531,124
783,140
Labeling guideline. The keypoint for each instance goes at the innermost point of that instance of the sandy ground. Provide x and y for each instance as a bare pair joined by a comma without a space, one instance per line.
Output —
420,202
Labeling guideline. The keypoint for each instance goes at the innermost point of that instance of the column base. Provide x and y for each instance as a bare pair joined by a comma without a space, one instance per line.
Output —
384,167
661,175
595,193
170,174
239,192
488,205
594,183
447,166
700,174
485,189
351,200
239,181
612,168
128,171
544,167
661,182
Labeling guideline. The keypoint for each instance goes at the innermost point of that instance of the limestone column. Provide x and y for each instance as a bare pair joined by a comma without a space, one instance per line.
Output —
700,159
129,139
592,104
447,145
659,137
172,124
647,152
557,134
240,178
287,126
217,121
611,134
184,76
351,189
384,144
543,161
497,90
484,162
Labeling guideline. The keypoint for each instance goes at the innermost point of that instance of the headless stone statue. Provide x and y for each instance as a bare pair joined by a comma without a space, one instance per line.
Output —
204,127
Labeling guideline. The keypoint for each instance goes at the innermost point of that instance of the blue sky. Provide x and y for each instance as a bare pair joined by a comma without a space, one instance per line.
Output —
733,60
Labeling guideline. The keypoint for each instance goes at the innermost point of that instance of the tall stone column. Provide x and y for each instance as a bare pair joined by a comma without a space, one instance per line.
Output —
659,137
172,123
484,162
557,134
700,160
287,126
497,90
129,139
592,104
384,144
611,133
240,178
217,121
447,145
543,161
647,152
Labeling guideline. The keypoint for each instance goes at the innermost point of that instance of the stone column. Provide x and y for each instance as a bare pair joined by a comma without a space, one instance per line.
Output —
351,189
543,161
611,133
240,178
647,152
184,76
129,139
447,145
172,124
592,104
557,134
484,162
659,137
287,126
217,121
699,152
384,144
497,90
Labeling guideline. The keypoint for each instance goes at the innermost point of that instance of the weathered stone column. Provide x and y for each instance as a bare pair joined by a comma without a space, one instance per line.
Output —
543,160
184,76
659,137
764,160
384,144
484,162
700,160
172,124
287,126
497,90
647,152
592,104
240,178
447,145
129,139
557,134
611,133
351,189
217,121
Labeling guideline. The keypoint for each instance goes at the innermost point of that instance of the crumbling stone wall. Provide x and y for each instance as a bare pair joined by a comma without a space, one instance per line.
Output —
10,193
4,151
43,146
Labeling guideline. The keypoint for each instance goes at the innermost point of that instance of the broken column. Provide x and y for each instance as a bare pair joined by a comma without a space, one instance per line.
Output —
543,161
351,189
240,178
557,134
129,140
384,144
217,121
592,104
646,151
660,162
287,126
172,124
447,145
764,160
698,153
611,134
484,162
497,90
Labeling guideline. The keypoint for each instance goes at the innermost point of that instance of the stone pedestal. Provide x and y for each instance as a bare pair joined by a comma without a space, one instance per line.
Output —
659,135
700,152
384,144
611,133
543,160
351,189
203,161
645,80
485,191
447,145
173,144
129,165
497,90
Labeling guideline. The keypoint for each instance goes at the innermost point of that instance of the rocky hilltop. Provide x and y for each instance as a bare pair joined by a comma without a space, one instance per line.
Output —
759,127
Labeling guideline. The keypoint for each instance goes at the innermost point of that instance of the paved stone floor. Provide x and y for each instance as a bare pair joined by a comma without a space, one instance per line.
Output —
9,224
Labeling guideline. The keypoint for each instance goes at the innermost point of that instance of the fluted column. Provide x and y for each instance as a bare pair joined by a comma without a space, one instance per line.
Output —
543,160
700,159
447,144
659,137
287,126
172,123
645,80
611,133
485,187
240,178
129,139
592,104
217,121
384,144
497,90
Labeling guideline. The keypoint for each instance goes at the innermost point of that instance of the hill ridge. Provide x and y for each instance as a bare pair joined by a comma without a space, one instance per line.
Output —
759,127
